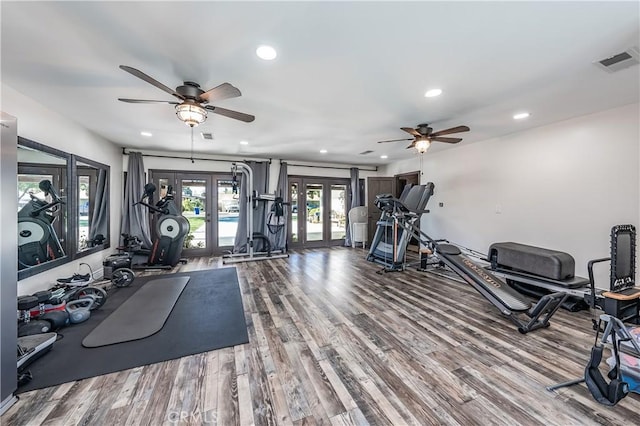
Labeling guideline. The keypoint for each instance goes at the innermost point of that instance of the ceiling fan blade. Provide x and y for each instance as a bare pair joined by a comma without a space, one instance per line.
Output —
223,91
231,114
447,140
410,130
451,130
146,101
413,145
151,80
396,140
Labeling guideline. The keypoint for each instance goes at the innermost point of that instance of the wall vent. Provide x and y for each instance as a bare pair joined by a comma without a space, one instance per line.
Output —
366,152
207,136
620,61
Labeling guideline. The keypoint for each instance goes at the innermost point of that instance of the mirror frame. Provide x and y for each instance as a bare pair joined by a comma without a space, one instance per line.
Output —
70,245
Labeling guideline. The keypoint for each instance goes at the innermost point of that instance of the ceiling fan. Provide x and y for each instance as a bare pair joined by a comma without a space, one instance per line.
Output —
192,108
423,135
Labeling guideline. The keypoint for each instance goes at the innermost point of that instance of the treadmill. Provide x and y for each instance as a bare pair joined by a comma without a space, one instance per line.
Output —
390,241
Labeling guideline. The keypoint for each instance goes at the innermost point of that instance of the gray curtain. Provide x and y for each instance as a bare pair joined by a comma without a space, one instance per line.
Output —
135,218
355,201
100,217
260,171
277,226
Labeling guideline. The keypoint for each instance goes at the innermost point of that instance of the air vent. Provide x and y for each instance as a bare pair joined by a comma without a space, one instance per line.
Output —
620,61
207,136
366,152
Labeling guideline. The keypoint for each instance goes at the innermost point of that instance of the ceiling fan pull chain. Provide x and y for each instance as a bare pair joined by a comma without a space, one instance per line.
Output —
192,161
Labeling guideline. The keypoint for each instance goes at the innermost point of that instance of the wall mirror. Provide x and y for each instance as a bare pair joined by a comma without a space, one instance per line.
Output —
42,207
63,207
92,203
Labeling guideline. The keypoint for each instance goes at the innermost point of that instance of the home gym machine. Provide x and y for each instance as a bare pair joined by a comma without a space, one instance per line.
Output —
390,241
170,232
507,300
37,238
251,202
528,268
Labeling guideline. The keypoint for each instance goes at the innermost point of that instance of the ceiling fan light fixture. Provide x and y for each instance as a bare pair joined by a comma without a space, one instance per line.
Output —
191,113
422,145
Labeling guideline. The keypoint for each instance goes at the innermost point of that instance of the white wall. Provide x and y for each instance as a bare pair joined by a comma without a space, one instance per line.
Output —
49,128
561,186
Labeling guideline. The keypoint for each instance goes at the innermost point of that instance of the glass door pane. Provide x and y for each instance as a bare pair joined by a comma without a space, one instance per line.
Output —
84,216
228,213
314,225
294,212
194,208
338,211
28,186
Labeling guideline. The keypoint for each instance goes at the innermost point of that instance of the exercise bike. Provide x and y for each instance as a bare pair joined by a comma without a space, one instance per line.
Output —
171,230
37,238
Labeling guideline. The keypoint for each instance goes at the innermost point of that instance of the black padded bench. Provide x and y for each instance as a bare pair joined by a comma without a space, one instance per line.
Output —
553,265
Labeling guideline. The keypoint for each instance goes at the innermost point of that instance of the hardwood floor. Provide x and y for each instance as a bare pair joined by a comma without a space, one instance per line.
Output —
333,342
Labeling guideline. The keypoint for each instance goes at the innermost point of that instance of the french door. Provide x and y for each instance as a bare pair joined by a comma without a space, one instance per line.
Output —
208,202
319,209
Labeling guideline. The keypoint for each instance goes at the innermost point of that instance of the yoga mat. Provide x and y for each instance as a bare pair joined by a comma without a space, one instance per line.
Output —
142,315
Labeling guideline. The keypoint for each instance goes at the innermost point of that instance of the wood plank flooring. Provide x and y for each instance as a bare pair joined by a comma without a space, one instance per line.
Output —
333,342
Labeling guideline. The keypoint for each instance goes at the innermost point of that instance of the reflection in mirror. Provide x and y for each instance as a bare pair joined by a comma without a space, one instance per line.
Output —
93,208
42,214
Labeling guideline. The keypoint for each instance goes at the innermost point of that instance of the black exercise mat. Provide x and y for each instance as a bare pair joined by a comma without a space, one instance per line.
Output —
129,322
207,316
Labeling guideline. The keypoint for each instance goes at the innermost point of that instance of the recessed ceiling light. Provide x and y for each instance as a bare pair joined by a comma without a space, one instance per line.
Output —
433,93
521,115
244,143
147,134
265,52
384,156
323,151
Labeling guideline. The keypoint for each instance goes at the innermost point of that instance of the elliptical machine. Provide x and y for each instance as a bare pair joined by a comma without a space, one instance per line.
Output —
37,238
171,230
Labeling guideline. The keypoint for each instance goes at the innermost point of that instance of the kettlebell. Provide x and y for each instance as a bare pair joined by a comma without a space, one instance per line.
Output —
79,310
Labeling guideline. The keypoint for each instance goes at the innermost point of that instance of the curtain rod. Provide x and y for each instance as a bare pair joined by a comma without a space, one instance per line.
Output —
327,167
124,152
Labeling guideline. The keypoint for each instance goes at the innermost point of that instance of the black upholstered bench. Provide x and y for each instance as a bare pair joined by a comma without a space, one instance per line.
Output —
553,264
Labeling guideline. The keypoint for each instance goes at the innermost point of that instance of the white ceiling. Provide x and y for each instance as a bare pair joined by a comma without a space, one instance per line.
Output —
347,73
